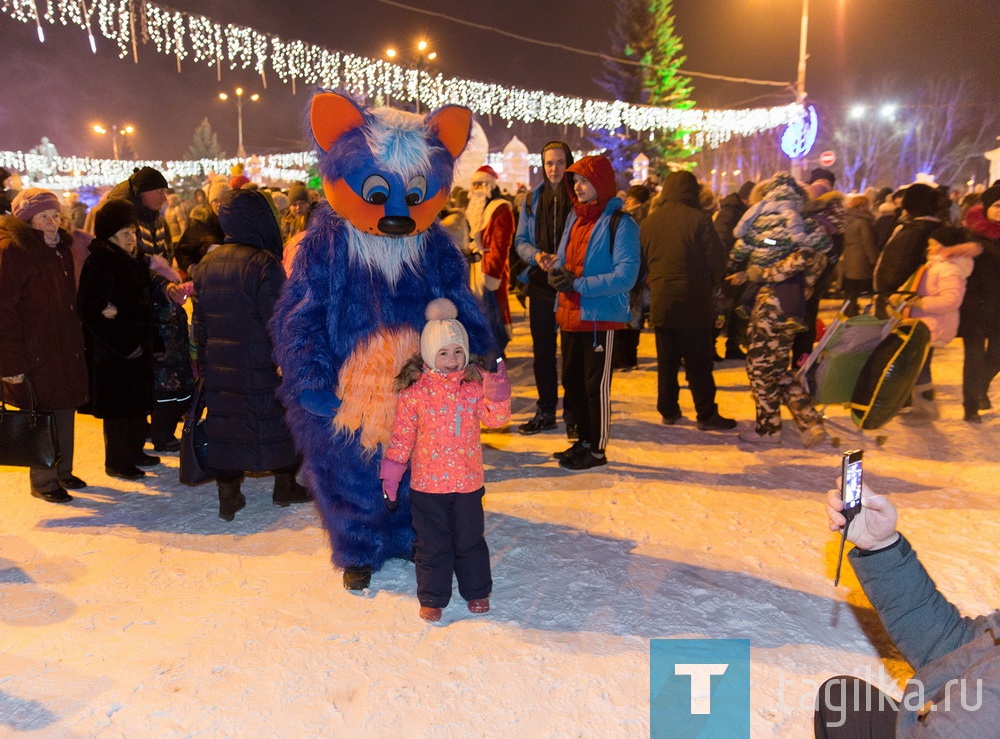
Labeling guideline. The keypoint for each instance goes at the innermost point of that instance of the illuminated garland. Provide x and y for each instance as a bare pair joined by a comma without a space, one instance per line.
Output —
204,41
71,173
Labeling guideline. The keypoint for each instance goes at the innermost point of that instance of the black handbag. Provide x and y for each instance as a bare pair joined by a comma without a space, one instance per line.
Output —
28,437
194,469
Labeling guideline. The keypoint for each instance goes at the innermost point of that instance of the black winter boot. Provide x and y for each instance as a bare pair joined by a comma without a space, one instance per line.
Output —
287,491
357,577
231,499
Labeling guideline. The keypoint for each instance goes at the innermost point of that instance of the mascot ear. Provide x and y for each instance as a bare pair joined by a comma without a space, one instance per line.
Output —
453,126
331,116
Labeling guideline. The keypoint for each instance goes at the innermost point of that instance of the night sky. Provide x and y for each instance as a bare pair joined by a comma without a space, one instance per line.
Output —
60,89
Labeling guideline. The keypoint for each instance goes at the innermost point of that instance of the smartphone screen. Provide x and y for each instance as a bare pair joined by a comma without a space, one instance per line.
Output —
850,486
850,493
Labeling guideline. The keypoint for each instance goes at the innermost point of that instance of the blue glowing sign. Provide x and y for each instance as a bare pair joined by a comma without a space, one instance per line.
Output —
800,135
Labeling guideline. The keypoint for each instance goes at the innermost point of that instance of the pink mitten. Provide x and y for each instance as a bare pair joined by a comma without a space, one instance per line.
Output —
496,386
391,473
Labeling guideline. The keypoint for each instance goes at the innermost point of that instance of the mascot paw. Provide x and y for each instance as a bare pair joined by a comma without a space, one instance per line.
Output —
357,578
320,403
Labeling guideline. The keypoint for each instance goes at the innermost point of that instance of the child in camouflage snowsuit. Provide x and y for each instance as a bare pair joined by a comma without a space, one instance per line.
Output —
768,232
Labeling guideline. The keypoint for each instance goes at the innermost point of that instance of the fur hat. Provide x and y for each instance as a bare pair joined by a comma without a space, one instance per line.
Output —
990,196
442,328
112,217
948,235
146,179
29,203
217,189
297,193
920,200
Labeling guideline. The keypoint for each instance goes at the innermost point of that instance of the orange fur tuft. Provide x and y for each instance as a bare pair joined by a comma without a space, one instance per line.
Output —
367,388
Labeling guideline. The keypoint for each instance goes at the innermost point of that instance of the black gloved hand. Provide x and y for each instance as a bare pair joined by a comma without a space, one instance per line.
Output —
561,279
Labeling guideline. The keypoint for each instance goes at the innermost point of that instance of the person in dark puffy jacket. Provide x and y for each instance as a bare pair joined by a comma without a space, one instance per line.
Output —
236,287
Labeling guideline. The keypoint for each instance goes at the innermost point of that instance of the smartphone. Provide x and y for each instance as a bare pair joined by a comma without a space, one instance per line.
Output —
850,493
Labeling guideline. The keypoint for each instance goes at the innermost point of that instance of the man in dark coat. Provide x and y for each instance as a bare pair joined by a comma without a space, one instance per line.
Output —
40,333
731,210
684,263
236,287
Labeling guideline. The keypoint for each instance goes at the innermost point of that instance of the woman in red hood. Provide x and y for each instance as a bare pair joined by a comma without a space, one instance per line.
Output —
594,270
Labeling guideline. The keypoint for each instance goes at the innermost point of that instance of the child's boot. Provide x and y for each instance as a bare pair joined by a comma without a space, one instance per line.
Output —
479,605
430,614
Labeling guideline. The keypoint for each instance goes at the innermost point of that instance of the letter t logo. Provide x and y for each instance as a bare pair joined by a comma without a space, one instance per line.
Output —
701,684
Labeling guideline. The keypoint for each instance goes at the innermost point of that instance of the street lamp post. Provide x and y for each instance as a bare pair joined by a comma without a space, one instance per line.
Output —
240,151
418,60
115,132
800,82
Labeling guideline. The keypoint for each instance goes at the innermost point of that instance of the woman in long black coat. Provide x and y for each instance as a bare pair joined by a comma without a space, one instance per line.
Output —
236,287
116,306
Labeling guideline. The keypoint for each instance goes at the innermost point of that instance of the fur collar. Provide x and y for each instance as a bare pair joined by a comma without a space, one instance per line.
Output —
414,368
28,237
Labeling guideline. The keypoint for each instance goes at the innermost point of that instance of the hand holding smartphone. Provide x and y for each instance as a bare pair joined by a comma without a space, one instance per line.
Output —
850,493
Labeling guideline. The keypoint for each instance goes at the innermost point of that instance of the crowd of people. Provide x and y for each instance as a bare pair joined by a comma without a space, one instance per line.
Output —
93,319
592,263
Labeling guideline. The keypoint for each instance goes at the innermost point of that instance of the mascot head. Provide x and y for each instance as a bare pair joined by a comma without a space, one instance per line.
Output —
386,171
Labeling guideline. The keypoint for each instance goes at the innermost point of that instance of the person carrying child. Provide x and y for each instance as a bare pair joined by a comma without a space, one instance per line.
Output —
940,286
441,402
769,231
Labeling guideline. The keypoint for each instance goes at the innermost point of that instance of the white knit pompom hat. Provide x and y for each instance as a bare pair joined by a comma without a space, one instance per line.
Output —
442,329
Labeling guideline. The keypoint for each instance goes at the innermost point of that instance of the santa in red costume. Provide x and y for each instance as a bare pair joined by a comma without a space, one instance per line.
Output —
491,227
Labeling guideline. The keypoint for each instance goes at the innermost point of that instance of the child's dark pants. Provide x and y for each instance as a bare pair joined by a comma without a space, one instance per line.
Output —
450,528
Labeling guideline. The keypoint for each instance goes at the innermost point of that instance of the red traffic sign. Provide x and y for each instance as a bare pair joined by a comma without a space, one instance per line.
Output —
828,158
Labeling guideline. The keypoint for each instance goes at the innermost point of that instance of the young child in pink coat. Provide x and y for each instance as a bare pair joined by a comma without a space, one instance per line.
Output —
442,401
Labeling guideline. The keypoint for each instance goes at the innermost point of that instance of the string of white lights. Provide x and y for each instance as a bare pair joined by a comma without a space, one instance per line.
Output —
182,35
71,173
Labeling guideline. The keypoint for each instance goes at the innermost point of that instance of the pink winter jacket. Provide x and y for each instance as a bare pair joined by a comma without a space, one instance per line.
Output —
942,289
437,430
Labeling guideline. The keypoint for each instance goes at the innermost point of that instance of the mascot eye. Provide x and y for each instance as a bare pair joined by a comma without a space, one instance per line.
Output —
415,190
375,190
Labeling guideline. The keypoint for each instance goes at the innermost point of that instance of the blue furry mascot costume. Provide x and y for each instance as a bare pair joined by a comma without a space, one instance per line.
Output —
351,313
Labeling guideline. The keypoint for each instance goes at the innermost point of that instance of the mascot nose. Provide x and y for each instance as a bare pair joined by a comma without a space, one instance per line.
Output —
397,225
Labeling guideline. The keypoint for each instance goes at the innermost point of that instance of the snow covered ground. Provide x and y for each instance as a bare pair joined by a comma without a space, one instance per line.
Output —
134,611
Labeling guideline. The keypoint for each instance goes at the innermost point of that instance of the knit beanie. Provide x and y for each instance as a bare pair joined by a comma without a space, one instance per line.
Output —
29,203
146,179
296,193
442,328
112,217
920,200
990,196
280,200
217,189
948,235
